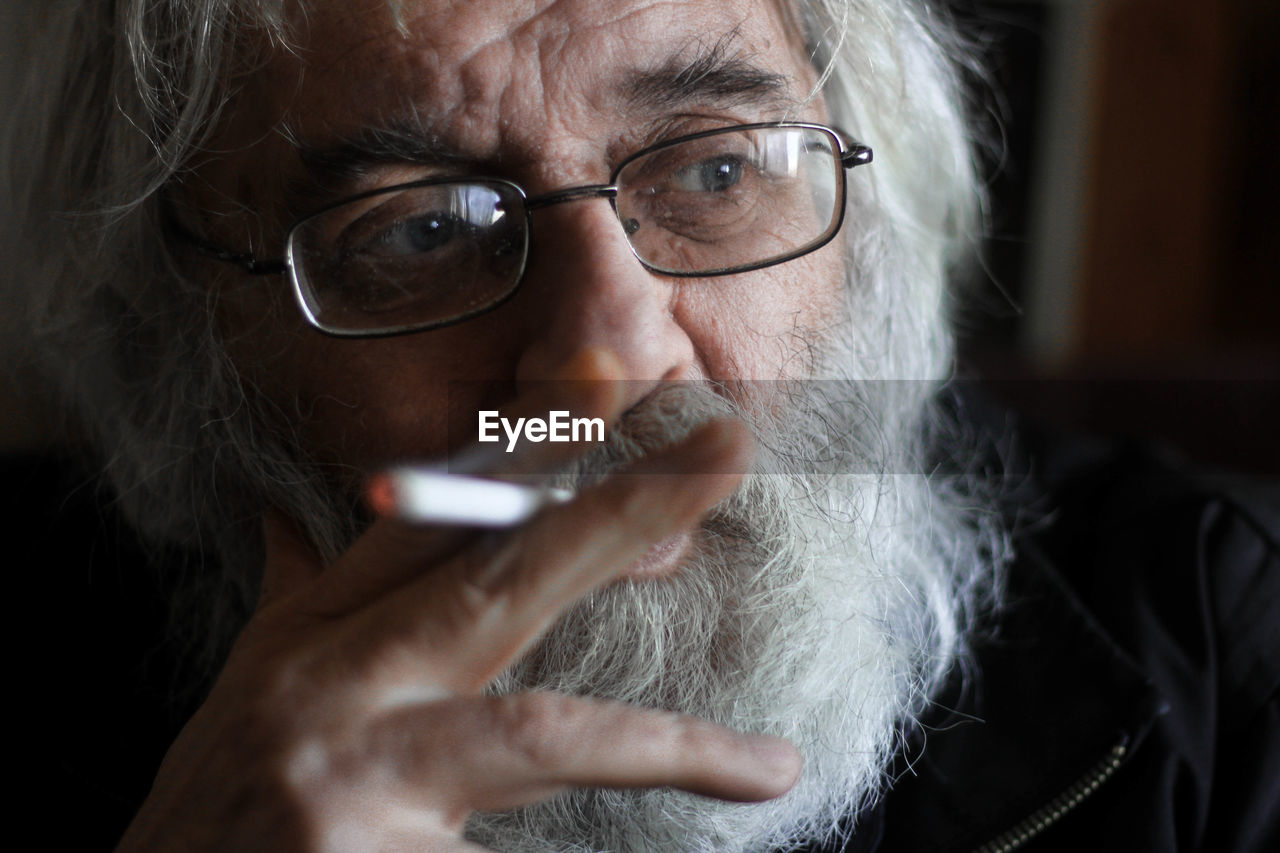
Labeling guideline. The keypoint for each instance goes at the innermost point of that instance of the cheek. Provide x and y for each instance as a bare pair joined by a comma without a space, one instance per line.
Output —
366,403
763,324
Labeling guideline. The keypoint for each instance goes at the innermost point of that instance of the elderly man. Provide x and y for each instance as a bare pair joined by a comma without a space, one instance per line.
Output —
322,240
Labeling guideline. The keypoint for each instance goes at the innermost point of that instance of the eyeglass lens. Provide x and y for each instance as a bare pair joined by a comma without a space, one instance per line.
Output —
428,255
722,202
413,256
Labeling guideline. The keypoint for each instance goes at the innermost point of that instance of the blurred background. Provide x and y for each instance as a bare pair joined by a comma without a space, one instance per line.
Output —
1132,277
1131,282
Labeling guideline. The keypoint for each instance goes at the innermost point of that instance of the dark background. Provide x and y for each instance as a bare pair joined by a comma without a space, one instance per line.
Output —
1131,282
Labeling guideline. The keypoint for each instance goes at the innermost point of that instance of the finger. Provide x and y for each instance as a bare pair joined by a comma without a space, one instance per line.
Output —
476,616
388,555
587,385
495,753
290,561
469,621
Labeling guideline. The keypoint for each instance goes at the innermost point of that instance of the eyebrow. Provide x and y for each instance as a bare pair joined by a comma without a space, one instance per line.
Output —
711,73
327,168
714,73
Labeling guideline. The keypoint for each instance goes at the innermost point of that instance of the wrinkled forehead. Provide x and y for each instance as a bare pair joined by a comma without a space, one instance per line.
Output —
477,66
373,91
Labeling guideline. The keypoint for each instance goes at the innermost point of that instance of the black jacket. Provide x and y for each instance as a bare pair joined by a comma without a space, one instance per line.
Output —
1126,698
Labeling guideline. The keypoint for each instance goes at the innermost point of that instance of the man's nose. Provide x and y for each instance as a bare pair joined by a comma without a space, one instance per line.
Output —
584,288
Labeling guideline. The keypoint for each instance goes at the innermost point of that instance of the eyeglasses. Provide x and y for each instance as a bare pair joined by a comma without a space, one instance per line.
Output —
432,253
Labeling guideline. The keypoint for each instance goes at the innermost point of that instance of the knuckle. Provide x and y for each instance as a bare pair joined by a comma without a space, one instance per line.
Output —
627,502
492,579
476,582
530,725
311,787
398,633
694,744
664,731
305,766
405,641
691,737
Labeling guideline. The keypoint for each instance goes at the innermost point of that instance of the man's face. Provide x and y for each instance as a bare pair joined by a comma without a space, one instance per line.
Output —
546,94
808,600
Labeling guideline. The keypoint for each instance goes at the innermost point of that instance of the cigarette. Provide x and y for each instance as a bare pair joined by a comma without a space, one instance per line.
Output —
430,496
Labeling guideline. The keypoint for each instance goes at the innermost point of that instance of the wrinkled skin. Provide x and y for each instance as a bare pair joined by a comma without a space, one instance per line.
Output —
350,714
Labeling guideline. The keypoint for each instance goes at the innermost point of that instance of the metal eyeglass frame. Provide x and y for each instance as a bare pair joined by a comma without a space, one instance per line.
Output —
850,154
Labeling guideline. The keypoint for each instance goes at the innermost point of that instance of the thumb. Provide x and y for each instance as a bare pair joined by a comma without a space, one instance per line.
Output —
291,561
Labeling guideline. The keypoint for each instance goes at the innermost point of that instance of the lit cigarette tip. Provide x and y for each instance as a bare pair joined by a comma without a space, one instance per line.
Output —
427,496
381,494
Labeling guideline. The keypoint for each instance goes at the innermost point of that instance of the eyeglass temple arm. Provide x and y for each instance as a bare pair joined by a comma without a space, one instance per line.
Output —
856,154
248,263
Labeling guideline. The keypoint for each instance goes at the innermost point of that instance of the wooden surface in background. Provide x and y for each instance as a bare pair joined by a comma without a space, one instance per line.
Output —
1182,237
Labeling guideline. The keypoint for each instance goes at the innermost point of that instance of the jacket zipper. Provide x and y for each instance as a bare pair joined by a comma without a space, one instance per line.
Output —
1058,808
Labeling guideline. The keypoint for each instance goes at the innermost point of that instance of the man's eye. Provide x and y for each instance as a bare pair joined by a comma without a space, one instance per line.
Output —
418,235
715,175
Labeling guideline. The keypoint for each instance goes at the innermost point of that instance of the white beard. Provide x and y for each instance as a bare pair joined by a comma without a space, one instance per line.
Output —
825,602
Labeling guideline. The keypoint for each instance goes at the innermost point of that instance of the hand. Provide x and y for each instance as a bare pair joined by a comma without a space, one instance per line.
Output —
350,715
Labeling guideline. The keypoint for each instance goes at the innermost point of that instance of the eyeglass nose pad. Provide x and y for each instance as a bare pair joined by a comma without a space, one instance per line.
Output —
630,226
587,289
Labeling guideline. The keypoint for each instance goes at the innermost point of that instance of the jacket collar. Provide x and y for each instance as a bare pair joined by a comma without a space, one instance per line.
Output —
1047,697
